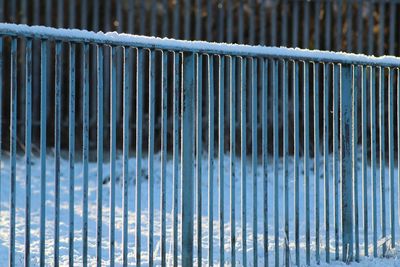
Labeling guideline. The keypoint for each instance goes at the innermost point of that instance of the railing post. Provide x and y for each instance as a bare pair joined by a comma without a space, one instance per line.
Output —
188,87
346,160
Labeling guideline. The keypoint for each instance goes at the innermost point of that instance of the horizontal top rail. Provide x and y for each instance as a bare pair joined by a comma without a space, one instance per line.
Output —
116,39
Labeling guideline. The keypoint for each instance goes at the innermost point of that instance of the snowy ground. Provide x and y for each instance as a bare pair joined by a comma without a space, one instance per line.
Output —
393,258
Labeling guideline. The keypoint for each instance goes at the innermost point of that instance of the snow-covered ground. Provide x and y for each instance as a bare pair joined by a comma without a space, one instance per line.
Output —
393,258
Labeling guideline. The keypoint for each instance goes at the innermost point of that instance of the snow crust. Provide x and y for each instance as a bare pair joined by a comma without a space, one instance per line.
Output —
114,38
393,258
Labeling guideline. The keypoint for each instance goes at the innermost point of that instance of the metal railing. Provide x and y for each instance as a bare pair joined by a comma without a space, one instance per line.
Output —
362,26
302,116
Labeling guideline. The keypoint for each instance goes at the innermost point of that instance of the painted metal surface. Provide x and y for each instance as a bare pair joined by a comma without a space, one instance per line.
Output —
298,123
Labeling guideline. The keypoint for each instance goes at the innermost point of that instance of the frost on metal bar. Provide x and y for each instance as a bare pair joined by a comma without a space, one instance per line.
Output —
85,150
43,105
28,145
71,150
57,131
13,151
210,63
100,122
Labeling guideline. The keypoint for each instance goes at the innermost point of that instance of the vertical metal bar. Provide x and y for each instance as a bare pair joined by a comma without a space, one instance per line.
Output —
284,23
391,160
398,136
164,140
71,151
100,136
1,103
93,75
43,105
113,149
276,155
296,141
187,22
139,125
13,149
285,153
349,22
360,27
295,25
254,160
381,31
119,20
306,156
306,29
57,140
373,161
210,157
152,100
199,149
126,85
364,156
336,175
326,159
355,89
28,146
345,87
176,30
221,136
85,150
264,125
106,52
392,32
382,154
328,25
21,84
176,91
317,24
243,141
339,26
240,22
370,28
317,153
232,132
187,158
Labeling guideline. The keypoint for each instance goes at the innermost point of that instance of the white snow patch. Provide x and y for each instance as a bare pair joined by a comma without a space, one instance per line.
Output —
394,259
196,46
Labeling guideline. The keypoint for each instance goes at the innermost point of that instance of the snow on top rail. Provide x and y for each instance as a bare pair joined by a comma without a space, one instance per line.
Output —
116,39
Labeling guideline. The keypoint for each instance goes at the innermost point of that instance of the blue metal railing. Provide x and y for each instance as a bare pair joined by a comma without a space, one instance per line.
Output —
297,99
317,24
